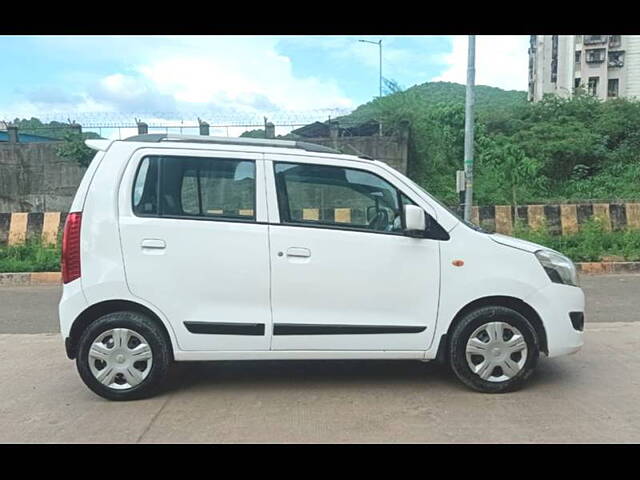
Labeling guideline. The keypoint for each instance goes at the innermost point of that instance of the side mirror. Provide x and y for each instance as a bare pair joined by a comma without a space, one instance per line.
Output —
415,220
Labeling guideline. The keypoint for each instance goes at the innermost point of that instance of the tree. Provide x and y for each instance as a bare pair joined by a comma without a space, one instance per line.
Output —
74,148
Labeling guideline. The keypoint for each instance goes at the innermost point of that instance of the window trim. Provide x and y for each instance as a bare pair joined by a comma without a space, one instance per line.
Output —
335,226
159,214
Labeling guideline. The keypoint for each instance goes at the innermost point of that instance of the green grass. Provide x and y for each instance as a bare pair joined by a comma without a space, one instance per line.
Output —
591,244
33,256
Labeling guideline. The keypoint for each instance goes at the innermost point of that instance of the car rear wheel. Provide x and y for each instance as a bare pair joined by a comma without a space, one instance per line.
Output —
123,356
494,349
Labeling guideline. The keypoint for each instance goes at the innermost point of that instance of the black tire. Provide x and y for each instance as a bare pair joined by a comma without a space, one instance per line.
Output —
468,325
155,338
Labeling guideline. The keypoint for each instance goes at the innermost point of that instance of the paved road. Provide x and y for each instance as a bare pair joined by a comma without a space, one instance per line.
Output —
593,396
610,298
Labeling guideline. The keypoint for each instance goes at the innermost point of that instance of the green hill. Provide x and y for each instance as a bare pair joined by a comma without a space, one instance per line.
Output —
433,93
555,150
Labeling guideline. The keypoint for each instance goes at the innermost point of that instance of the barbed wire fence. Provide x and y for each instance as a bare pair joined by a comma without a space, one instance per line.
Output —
119,125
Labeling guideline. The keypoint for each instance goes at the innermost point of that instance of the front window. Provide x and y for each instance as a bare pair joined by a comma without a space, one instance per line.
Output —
339,197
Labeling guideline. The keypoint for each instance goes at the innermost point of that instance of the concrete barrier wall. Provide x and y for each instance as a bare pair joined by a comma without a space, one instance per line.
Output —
559,219
16,227
33,178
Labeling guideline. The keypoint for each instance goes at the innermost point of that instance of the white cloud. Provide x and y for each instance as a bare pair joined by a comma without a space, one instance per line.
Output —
236,76
247,77
501,61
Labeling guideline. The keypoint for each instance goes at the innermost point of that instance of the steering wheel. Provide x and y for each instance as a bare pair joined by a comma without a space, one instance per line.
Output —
380,221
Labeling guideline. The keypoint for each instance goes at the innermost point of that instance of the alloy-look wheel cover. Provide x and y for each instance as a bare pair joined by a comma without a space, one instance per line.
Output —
120,358
496,351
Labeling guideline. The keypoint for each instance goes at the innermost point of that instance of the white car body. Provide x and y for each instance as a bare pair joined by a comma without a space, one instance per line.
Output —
284,277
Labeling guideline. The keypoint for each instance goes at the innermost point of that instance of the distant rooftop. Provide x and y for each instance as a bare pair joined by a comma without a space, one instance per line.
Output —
26,137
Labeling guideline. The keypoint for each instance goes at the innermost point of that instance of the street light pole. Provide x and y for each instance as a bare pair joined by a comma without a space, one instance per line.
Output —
468,128
379,43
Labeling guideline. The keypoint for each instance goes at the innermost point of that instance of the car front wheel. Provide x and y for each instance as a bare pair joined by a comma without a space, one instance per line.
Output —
494,349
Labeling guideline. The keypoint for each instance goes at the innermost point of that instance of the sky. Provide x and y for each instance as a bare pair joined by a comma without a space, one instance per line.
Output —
232,79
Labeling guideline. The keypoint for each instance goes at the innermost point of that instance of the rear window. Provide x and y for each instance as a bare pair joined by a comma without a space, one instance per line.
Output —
195,187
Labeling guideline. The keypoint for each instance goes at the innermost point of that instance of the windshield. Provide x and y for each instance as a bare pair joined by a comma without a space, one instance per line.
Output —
452,212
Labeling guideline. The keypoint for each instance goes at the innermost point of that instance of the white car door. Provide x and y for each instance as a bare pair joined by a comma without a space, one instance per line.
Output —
344,276
200,254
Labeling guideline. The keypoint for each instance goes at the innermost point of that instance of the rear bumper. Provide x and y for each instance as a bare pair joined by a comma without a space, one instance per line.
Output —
554,304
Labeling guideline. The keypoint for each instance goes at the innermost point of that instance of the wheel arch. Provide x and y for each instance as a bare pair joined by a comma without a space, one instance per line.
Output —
514,303
100,309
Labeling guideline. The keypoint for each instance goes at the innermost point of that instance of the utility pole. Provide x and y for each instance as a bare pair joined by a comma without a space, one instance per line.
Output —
468,127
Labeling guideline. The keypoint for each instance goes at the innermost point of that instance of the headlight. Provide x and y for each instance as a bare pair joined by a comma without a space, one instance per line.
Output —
559,268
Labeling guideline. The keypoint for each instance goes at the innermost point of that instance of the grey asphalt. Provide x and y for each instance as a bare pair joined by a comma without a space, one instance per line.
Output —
592,396
610,298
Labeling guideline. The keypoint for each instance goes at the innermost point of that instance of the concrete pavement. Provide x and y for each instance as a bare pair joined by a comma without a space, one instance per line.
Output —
593,396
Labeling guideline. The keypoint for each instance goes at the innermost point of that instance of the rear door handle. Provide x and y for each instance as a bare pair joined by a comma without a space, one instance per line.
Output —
298,252
153,243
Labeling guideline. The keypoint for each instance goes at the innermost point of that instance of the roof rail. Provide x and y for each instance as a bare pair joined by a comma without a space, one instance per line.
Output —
253,142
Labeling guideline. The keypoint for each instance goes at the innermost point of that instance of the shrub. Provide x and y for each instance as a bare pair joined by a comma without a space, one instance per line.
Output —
32,256
591,244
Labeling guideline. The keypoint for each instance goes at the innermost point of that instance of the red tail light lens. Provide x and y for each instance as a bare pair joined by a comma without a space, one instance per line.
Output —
71,247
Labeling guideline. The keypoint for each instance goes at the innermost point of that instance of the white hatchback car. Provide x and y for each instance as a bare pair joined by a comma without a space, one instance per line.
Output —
205,248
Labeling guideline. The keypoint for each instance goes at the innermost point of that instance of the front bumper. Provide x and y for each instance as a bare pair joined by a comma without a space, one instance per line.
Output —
554,304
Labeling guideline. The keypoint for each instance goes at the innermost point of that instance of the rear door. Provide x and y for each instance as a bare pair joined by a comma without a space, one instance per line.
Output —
344,275
195,244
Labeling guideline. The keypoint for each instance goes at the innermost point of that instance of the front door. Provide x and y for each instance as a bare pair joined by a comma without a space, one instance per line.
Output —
195,245
344,275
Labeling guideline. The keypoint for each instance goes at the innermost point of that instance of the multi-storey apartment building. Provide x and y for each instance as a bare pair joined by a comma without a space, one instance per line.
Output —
605,66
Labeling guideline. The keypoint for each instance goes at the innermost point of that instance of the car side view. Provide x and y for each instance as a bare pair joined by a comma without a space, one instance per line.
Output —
183,248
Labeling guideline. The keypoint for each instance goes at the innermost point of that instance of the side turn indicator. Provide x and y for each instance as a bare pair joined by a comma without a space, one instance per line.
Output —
457,263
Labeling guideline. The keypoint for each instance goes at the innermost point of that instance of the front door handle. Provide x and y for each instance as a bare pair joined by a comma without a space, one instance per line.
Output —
155,243
298,252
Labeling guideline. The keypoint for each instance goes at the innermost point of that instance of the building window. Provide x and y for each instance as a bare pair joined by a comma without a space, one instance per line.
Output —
612,87
578,39
554,58
578,54
616,59
593,86
615,41
591,39
597,55
576,83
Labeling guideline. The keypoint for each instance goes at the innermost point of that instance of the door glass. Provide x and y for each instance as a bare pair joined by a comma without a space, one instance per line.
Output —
208,187
337,196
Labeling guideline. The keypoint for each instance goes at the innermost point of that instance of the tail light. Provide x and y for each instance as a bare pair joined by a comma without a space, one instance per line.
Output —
70,264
